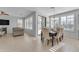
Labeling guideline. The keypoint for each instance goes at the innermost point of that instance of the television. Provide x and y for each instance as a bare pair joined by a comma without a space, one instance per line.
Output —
4,22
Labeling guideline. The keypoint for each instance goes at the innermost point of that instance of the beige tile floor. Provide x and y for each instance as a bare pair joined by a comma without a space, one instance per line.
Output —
27,43
70,45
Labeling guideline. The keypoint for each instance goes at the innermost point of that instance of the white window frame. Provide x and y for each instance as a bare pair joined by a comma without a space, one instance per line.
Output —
29,22
20,23
66,22
54,22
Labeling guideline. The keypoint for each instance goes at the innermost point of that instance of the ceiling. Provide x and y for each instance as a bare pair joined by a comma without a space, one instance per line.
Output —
45,11
16,11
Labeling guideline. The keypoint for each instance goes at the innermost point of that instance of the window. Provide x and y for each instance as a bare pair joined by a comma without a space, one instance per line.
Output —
20,22
28,23
68,22
54,22
41,23
64,22
47,23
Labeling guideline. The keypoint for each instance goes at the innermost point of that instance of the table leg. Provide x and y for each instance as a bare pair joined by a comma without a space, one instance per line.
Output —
52,41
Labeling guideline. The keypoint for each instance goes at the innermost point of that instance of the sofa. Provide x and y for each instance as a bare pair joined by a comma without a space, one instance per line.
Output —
18,31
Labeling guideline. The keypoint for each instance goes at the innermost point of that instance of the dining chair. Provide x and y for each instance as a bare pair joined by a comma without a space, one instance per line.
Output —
46,36
62,33
59,35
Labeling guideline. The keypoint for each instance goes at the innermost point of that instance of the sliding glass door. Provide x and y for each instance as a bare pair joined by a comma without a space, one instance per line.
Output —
41,23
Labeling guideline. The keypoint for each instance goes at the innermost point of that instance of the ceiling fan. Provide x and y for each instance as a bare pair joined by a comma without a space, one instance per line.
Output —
3,13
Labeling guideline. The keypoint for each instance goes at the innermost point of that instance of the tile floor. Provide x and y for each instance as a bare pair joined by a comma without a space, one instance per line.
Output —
27,43
70,45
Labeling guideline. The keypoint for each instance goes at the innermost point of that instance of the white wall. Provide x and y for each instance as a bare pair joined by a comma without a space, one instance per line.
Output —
13,23
33,32
12,20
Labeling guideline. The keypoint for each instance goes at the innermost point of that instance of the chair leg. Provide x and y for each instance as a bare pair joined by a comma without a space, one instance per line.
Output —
52,42
60,39
57,41
42,40
47,42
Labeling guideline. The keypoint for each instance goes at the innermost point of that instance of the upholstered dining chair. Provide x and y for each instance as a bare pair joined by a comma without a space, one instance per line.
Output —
59,35
62,33
46,36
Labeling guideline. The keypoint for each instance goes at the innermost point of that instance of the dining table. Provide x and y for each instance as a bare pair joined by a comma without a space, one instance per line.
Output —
52,34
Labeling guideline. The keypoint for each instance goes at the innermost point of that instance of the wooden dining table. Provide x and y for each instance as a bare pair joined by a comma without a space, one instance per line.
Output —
52,34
